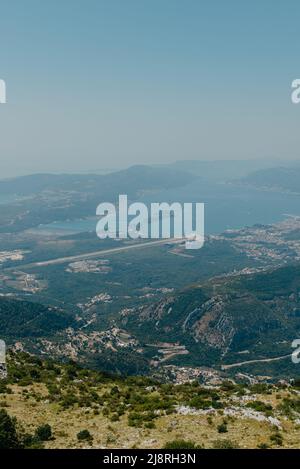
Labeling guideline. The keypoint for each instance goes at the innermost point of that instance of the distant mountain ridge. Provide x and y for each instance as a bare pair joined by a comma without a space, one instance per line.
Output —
282,179
51,197
129,180
223,170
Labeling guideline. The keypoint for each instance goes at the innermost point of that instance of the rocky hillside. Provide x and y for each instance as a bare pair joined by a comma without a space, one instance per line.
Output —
66,406
230,319
239,322
24,319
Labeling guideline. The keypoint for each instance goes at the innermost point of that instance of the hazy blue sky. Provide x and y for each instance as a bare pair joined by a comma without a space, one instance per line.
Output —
97,84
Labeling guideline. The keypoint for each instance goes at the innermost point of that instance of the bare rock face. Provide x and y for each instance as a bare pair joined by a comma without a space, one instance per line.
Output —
156,311
215,327
219,320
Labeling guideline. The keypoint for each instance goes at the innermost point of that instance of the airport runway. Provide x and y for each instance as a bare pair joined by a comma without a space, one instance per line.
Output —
95,254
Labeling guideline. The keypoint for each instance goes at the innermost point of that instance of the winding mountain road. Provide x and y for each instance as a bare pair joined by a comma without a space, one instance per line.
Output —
249,362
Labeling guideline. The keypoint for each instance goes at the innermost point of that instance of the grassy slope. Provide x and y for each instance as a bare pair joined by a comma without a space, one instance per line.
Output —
41,394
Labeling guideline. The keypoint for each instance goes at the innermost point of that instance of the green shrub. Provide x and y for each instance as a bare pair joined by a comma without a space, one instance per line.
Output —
180,444
260,406
222,428
4,389
277,439
263,446
114,418
32,442
225,444
44,432
8,433
228,385
297,383
150,425
290,406
135,419
84,435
